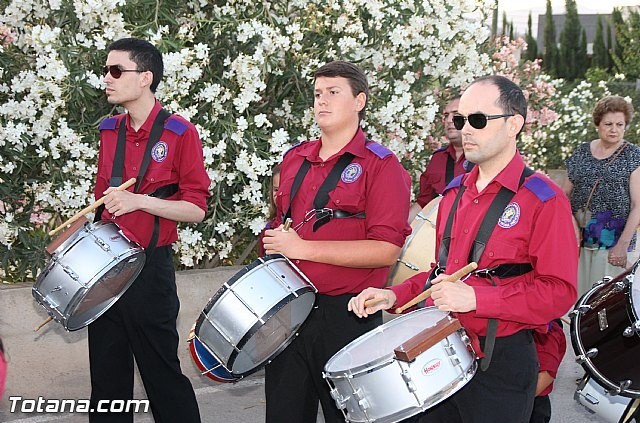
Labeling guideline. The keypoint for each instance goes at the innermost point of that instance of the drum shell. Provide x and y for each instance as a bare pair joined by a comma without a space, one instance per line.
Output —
269,288
596,398
419,248
95,252
599,321
385,389
206,362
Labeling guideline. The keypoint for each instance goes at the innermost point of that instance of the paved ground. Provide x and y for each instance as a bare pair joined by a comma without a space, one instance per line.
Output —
243,402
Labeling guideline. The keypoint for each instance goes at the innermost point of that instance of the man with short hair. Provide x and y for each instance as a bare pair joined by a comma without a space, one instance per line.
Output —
174,188
516,224
344,237
445,164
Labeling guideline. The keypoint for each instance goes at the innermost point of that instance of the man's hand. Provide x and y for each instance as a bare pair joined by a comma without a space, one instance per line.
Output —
118,203
452,296
377,299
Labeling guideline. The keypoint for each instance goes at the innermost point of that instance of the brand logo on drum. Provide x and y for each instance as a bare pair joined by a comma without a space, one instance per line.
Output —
432,367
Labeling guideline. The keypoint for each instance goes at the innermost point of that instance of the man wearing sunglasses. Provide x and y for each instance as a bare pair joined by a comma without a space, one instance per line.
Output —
516,225
445,164
164,153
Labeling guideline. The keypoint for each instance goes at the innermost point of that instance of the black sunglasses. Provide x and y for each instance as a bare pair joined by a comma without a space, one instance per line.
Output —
476,120
116,71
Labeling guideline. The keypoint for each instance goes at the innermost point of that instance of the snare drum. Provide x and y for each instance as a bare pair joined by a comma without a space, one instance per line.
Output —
419,248
255,315
401,368
87,273
612,408
605,333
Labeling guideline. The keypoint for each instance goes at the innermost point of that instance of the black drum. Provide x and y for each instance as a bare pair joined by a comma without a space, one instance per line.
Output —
605,333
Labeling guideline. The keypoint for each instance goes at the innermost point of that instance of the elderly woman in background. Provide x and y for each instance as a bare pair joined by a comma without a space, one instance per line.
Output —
604,187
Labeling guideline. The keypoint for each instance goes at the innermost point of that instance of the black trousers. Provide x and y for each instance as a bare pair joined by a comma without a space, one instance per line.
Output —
142,324
504,393
541,410
293,380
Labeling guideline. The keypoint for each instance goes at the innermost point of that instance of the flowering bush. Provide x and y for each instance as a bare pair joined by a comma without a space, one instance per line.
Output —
240,70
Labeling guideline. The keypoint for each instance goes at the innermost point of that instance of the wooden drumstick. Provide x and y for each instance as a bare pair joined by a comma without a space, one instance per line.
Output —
451,278
42,324
374,301
91,207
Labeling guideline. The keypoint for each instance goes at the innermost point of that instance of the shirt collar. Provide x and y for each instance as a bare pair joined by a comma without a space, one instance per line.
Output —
509,177
356,147
148,124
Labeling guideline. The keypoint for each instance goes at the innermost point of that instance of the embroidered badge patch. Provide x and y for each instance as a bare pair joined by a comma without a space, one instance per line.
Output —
159,151
510,216
351,173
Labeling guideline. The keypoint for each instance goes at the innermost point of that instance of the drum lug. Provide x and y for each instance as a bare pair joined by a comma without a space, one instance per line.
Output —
341,402
73,275
102,244
408,381
581,310
593,352
620,286
632,330
624,385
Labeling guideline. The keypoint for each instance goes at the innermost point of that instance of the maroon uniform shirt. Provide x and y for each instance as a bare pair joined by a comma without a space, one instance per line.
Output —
175,159
535,228
550,347
374,182
432,180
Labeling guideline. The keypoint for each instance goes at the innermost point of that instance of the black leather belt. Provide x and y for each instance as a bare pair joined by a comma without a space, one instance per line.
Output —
341,214
505,270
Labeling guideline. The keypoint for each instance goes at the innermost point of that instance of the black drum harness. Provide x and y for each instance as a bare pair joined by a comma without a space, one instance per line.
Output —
118,168
506,270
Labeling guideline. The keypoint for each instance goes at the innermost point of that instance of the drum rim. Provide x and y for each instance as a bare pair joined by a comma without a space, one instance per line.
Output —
578,346
380,361
77,300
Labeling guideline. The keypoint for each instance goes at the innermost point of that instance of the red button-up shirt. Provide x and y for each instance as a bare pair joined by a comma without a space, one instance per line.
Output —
176,158
550,347
536,228
375,182
432,180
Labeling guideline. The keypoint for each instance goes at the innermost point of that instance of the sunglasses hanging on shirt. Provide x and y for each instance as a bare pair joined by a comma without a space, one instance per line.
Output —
476,120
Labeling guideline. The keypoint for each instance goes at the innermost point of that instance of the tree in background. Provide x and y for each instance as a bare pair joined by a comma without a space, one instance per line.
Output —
550,60
494,20
600,58
609,47
617,22
532,46
505,24
571,63
627,51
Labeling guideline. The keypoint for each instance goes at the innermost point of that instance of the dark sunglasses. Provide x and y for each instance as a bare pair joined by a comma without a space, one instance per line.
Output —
476,120
116,71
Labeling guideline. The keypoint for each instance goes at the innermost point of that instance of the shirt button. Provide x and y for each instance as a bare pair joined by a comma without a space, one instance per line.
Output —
137,144
153,179
475,201
313,187
135,168
321,164
466,231
456,261
297,261
337,201
491,254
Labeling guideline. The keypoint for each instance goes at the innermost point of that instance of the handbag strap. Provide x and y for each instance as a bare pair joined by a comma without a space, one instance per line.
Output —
613,159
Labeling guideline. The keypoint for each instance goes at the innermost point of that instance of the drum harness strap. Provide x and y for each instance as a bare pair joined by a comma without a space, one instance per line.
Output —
118,168
506,270
322,214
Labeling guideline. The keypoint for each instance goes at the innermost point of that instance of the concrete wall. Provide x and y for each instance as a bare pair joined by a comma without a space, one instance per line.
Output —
54,363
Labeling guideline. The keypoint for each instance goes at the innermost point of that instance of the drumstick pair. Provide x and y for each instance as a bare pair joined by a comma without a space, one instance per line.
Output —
77,216
460,273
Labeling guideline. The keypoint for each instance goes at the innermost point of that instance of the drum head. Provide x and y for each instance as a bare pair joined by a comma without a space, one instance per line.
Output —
635,292
377,346
94,300
267,340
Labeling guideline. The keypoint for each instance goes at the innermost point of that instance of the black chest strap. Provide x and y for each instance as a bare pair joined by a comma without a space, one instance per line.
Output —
448,174
322,196
117,170
489,222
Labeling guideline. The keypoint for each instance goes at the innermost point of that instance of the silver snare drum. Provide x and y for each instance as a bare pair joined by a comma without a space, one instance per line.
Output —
611,408
87,274
370,383
256,314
